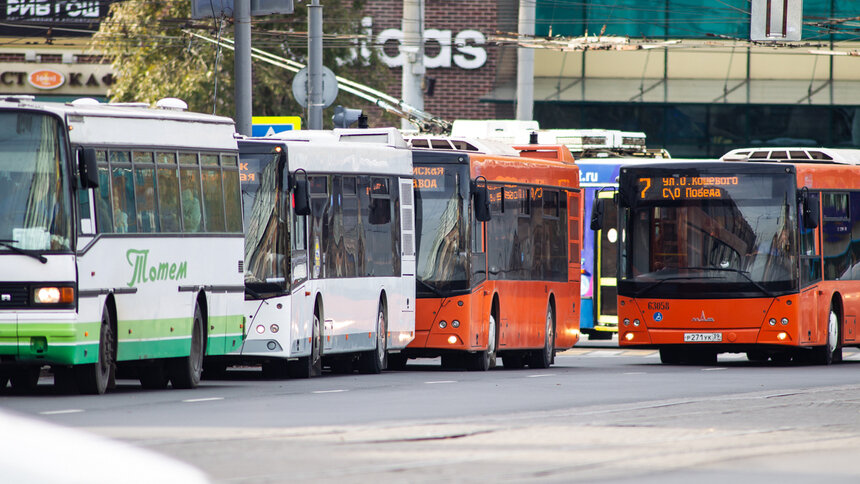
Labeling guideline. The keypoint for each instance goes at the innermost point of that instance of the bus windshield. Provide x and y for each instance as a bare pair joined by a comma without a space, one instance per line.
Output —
738,237
440,216
266,253
35,208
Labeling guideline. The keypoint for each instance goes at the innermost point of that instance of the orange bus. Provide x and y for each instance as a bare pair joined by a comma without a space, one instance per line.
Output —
754,257
498,243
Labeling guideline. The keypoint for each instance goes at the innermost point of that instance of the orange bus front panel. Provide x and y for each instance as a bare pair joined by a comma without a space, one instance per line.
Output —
770,321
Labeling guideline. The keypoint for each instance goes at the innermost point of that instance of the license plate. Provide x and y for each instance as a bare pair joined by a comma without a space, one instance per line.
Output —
703,337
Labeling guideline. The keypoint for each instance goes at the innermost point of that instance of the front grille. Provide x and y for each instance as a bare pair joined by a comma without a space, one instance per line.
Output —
14,296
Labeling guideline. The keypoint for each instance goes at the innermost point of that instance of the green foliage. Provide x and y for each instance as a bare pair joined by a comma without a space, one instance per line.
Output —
154,56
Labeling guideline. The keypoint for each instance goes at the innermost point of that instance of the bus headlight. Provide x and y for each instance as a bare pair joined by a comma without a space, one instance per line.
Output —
772,322
260,329
626,322
636,322
784,321
443,324
54,295
628,336
274,328
455,324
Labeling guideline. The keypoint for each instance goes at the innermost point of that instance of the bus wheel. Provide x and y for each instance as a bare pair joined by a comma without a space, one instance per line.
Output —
670,356
185,372
373,362
153,375
542,358
484,360
25,378
95,377
831,352
311,365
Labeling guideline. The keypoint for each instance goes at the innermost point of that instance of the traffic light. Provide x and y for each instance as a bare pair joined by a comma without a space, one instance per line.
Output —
345,117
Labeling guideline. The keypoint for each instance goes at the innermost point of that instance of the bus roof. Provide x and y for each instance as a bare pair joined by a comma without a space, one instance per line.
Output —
108,124
321,152
546,152
795,155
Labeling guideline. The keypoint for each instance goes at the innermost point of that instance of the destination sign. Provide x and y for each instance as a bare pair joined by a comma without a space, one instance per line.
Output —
704,187
428,178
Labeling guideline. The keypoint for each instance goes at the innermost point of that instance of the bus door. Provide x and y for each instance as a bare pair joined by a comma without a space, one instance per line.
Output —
574,257
605,267
810,275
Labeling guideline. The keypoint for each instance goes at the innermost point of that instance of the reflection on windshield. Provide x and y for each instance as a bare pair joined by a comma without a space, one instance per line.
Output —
441,233
265,259
34,206
735,241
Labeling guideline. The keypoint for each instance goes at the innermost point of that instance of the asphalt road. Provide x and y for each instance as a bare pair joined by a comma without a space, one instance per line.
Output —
601,414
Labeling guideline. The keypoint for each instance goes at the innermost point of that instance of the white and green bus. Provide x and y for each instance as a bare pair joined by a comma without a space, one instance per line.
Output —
121,243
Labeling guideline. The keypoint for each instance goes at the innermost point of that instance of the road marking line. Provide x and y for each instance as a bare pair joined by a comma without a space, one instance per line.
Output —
329,391
440,381
540,375
195,400
714,369
60,412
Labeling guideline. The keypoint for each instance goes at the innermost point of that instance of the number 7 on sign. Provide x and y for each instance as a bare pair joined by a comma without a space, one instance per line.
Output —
647,182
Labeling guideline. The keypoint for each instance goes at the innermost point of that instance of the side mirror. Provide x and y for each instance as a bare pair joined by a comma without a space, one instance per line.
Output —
481,198
301,197
597,214
809,207
87,168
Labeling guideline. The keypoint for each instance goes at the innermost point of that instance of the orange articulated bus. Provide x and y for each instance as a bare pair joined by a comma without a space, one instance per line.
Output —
498,244
749,256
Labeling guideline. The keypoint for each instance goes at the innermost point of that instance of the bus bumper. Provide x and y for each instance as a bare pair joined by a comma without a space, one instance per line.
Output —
48,338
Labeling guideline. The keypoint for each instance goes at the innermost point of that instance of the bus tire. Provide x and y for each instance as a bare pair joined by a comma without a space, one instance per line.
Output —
25,378
831,352
185,372
373,362
94,378
486,359
542,358
310,366
153,375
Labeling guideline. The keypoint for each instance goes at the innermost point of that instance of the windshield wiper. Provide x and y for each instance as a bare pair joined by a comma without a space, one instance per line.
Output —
738,271
29,253
430,287
642,291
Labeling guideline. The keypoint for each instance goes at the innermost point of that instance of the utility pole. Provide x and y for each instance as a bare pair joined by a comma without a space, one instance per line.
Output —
242,67
413,48
315,65
526,62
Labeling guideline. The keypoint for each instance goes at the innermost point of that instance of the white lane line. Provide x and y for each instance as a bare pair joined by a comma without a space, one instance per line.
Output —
541,375
714,369
195,400
61,412
330,391
440,381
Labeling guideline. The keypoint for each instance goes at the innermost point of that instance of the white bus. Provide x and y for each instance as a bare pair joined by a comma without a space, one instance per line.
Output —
121,243
330,253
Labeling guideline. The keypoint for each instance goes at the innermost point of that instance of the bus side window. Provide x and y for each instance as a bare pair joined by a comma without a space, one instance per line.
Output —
232,194
189,185
104,217
168,192
122,183
213,193
144,181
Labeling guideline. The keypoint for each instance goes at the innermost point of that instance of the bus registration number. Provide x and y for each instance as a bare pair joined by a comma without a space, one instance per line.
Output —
703,337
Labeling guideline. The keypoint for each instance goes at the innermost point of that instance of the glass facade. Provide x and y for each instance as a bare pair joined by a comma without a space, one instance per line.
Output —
677,18
711,130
